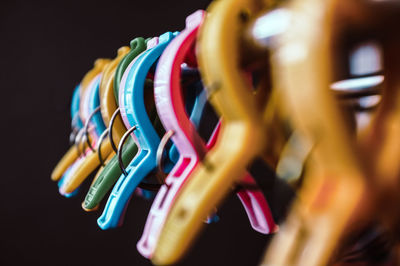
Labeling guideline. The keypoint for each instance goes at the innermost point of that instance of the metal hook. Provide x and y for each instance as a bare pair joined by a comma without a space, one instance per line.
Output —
147,186
86,127
120,146
74,130
110,126
101,139
83,142
72,135
160,151
78,139
74,120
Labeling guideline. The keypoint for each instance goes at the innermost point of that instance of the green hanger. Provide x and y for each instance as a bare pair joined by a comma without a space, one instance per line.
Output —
138,45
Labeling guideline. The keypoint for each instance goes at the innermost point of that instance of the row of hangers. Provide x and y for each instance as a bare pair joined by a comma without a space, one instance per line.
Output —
270,70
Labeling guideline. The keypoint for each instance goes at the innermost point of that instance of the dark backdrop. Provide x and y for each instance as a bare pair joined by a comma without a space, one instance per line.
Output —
45,49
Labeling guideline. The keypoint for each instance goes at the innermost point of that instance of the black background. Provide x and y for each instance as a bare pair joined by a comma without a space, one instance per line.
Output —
45,49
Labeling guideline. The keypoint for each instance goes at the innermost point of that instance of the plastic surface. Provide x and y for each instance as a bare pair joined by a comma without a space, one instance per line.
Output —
99,66
108,103
76,121
100,92
145,136
72,153
107,99
89,163
94,97
75,165
110,173
171,108
333,200
108,176
90,159
242,135
138,45
66,161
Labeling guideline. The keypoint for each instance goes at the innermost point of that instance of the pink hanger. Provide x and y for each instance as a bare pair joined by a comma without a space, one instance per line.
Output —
171,109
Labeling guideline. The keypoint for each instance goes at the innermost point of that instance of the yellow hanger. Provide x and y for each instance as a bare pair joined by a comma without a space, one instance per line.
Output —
243,135
73,154
107,108
68,159
380,145
334,198
99,66
107,99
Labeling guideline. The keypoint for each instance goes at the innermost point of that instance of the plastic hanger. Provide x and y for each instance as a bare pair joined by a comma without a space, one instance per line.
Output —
195,105
126,107
378,147
72,154
149,94
108,108
87,111
170,105
334,199
89,160
102,96
107,98
242,135
83,139
66,176
76,125
76,122
145,135
108,104
107,178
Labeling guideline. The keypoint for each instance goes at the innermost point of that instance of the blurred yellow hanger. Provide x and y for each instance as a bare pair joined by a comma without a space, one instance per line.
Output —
73,153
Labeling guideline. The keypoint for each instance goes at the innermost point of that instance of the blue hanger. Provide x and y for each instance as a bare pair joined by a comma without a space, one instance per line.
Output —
146,136
76,120
94,102
65,177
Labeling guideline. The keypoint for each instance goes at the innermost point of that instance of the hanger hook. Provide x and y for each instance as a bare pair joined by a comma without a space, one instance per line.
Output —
74,120
120,146
72,135
74,129
86,127
110,126
160,152
101,139
83,142
78,139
